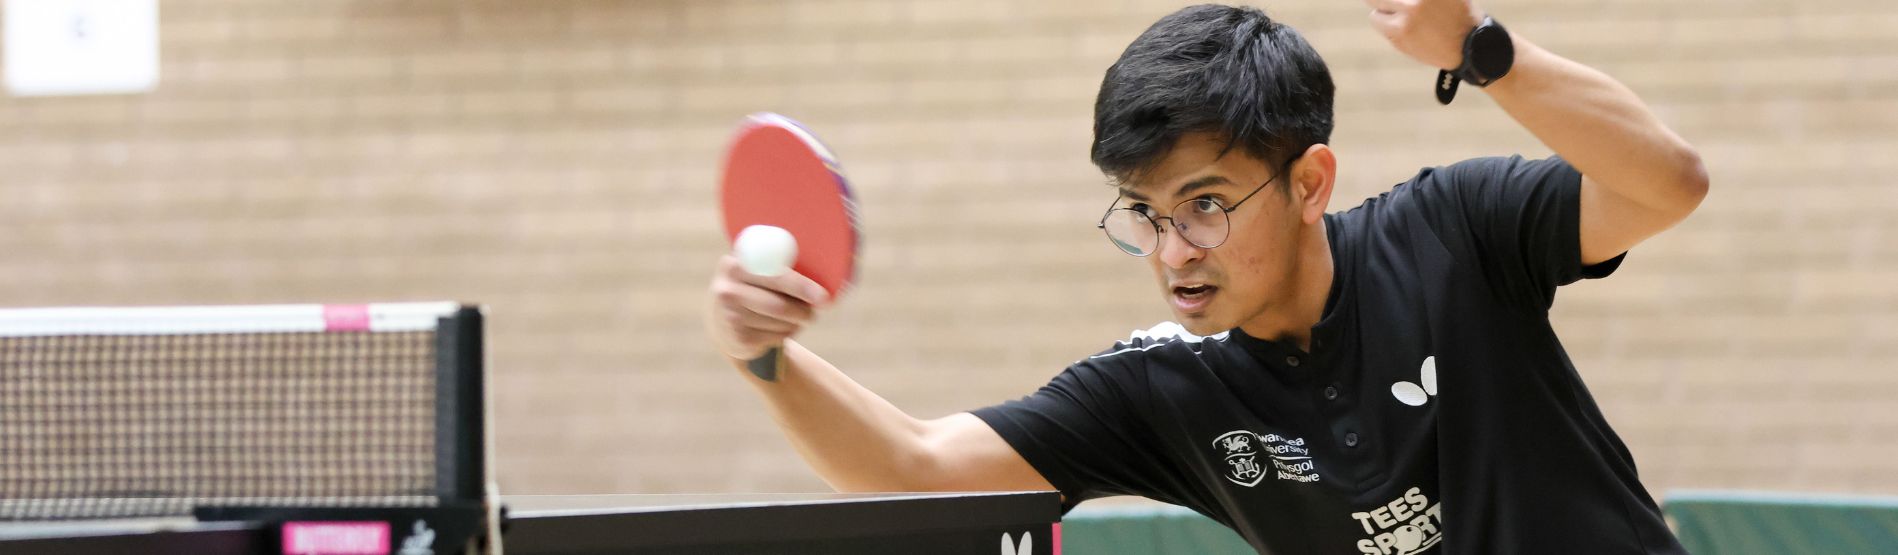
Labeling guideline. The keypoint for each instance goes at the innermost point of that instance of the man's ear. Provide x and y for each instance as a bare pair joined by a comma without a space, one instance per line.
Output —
1312,177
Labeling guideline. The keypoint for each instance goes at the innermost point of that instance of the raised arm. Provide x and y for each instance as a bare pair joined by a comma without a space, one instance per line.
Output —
1639,177
854,439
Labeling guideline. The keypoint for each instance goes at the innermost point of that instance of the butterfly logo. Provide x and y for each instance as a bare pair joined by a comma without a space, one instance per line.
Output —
1026,547
1416,395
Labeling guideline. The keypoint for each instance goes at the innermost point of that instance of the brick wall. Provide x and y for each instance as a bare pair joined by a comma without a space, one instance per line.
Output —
556,160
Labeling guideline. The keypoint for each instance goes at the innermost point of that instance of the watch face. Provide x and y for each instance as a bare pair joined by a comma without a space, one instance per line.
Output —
1491,51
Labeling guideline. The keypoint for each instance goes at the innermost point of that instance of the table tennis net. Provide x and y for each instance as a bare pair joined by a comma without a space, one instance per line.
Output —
129,418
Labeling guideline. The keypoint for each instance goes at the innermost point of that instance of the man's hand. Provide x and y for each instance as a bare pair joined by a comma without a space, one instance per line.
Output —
1430,31
750,314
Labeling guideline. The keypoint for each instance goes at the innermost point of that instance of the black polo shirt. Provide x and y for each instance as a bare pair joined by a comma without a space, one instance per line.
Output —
1436,412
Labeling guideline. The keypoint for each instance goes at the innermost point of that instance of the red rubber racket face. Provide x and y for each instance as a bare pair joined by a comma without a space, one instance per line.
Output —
776,173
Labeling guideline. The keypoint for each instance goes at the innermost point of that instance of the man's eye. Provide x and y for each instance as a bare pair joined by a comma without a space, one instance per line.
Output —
1142,208
1206,205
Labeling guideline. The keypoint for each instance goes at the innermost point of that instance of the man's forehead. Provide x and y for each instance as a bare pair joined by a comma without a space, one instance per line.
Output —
1193,159
1175,186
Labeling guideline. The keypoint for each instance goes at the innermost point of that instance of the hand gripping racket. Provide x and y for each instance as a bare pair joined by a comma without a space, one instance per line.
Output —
777,175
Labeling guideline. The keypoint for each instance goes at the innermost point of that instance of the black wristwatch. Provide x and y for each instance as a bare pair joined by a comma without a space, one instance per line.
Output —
1487,55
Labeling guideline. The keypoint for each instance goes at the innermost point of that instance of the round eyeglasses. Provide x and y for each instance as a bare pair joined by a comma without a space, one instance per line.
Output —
1201,221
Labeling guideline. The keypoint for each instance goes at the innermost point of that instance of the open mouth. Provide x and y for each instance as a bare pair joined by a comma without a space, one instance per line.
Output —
1192,298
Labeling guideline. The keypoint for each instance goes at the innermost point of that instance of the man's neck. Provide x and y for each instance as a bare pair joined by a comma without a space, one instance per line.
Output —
1291,318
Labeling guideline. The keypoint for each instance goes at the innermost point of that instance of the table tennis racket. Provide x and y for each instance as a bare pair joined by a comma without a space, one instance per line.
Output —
777,174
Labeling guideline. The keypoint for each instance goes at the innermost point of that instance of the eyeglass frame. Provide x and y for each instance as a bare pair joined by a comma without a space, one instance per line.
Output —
1158,231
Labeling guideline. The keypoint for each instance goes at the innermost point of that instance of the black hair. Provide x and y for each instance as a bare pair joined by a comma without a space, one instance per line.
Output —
1228,70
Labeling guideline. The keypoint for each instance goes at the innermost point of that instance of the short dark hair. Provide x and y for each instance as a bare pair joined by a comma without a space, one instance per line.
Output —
1228,70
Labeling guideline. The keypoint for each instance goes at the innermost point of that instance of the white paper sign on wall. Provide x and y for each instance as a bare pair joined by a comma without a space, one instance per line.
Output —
61,47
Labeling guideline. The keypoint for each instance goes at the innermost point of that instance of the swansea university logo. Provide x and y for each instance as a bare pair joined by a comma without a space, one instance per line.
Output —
1247,455
1242,457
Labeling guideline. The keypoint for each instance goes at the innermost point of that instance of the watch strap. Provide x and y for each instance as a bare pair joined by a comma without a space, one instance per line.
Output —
1448,80
1446,86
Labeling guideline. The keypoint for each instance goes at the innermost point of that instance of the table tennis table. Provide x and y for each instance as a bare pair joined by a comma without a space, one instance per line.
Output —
910,523
358,430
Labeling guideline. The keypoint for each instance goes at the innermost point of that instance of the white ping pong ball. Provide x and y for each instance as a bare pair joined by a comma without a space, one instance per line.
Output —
765,250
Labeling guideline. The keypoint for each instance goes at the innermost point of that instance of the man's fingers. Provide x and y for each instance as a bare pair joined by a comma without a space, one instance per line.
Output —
747,318
751,312
739,290
790,283
795,285
777,305
753,332
763,302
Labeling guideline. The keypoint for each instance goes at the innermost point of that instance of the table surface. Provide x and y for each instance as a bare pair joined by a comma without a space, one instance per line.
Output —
670,523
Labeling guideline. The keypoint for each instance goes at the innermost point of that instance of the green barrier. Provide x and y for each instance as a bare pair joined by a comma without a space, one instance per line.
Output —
1747,523
1146,530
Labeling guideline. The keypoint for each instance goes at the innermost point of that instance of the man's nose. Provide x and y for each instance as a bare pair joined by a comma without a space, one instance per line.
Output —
1175,250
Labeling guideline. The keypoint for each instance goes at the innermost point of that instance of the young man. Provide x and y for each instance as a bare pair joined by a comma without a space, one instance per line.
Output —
1379,380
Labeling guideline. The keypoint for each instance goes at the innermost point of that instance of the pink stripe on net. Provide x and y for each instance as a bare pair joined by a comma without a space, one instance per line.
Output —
345,317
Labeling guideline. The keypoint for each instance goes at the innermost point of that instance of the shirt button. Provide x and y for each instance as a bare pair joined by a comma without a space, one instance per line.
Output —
1350,439
1331,393
1291,361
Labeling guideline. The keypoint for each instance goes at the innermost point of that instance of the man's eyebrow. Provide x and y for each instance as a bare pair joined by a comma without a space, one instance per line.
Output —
1184,190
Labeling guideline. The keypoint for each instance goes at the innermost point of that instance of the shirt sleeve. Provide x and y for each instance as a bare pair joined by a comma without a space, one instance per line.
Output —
1083,431
1524,219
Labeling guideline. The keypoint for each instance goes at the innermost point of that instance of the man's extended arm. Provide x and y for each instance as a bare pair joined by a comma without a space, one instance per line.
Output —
1640,178
854,439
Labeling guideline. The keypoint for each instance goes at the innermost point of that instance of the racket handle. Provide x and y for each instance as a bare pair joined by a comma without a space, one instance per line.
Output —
766,367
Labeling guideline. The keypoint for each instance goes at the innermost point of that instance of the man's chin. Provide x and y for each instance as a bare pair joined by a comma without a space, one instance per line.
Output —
1200,324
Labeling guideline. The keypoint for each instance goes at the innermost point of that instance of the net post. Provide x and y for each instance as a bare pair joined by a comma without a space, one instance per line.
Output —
461,426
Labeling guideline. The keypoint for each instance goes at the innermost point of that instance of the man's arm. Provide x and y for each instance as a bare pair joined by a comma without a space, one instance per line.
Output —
854,439
1639,177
